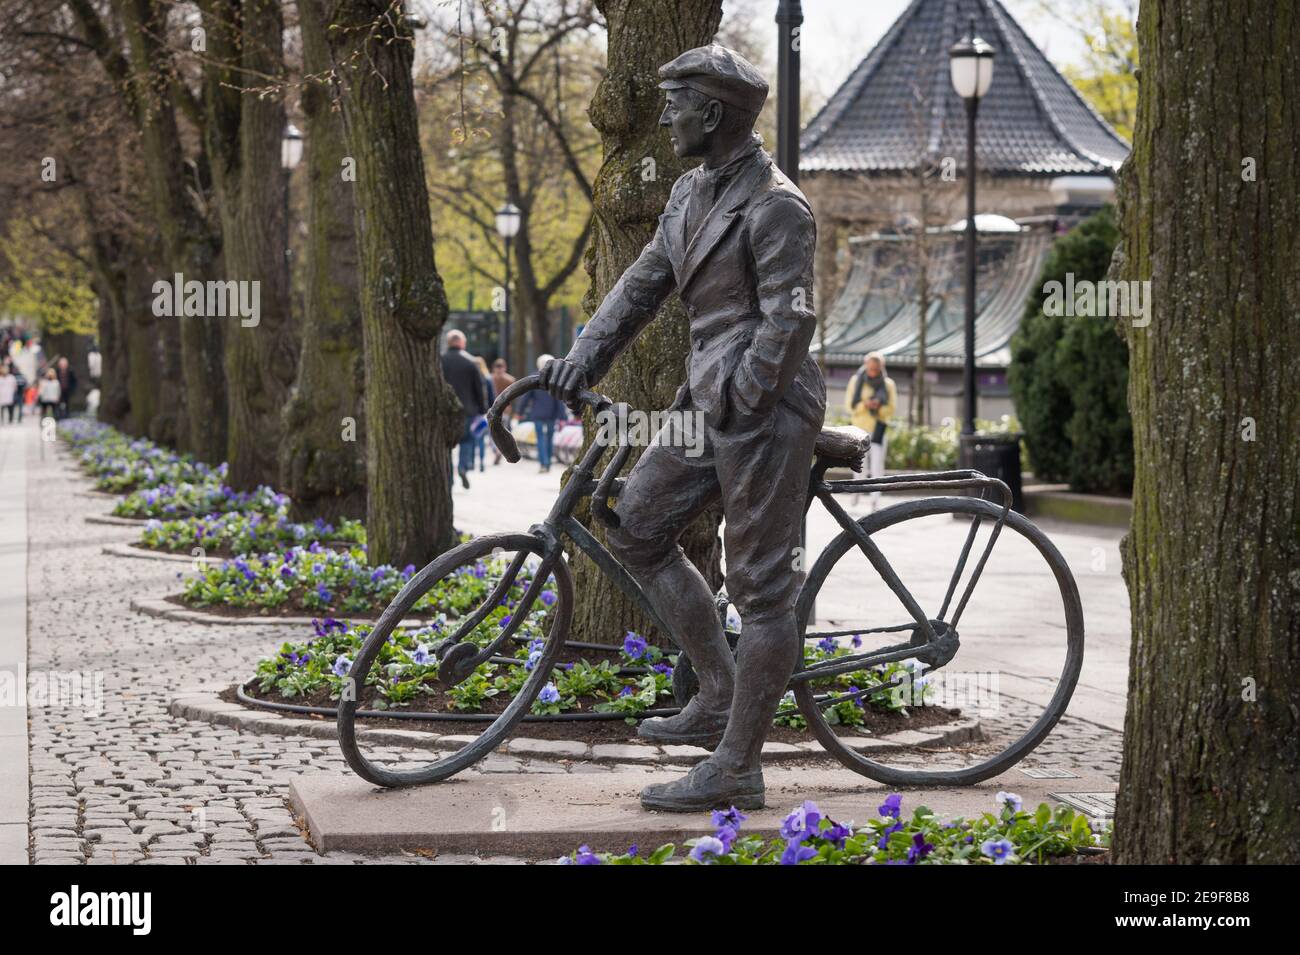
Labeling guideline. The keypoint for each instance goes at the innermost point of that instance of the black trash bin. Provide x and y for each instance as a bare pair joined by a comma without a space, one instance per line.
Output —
997,456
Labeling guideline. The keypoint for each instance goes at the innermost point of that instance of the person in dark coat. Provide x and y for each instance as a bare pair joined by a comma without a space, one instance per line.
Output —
736,243
67,385
544,410
462,373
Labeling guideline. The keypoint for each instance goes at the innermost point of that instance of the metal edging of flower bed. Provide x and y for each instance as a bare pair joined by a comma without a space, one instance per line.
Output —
454,717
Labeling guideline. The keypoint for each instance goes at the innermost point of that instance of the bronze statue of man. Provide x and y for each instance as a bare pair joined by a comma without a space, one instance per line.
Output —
736,243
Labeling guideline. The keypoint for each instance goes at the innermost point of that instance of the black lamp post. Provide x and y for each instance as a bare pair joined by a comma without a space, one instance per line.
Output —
971,63
789,19
507,221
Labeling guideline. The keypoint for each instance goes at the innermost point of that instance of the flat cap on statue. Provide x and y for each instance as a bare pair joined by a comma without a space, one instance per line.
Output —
718,73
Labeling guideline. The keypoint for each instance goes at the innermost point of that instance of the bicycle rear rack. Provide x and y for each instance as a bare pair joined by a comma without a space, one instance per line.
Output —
923,481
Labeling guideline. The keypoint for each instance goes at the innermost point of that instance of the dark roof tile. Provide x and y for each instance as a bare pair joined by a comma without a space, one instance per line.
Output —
1031,122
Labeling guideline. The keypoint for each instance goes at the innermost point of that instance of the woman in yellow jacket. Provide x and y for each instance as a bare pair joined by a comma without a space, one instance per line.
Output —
870,400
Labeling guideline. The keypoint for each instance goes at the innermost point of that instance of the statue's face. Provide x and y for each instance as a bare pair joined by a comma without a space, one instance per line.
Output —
691,120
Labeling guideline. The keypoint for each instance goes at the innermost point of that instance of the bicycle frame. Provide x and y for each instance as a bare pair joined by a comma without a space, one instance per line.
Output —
583,484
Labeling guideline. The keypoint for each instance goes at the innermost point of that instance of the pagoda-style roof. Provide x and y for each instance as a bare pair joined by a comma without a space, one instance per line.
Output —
1032,121
879,308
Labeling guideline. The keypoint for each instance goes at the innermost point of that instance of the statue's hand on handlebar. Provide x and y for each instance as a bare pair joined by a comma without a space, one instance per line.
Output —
563,379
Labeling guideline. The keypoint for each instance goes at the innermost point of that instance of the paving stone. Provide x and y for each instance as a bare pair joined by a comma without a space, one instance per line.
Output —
624,752
546,747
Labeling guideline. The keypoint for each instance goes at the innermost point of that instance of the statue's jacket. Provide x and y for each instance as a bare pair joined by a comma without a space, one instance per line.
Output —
746,280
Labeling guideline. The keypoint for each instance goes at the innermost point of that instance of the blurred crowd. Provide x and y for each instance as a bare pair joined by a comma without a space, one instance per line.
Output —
35,382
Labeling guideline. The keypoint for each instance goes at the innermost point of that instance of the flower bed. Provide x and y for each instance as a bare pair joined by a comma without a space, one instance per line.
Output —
181,500
234,533
808,837
315,579
632,679
120,464
624,681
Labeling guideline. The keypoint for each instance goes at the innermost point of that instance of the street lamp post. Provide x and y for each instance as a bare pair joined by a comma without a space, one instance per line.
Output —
508,220
290,156
789,21
971,64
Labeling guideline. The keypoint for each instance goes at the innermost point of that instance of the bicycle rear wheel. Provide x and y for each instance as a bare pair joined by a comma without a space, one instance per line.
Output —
1018,634
469,582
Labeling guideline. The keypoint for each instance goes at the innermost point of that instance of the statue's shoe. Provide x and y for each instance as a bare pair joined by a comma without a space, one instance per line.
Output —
706,787
693,726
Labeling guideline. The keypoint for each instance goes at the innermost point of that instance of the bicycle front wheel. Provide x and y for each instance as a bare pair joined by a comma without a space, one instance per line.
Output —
487,597
1005,610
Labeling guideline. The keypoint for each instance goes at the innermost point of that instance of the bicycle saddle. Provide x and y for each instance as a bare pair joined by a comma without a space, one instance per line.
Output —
844,445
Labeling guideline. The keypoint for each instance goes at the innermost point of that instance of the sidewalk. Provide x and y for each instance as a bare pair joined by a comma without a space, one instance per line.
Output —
16,442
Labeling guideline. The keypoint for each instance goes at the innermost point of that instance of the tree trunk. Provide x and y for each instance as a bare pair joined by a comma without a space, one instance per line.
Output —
412,416
1211,770
245,127
643,35
114,401
190,245
169,413
143,355
111,278
322,462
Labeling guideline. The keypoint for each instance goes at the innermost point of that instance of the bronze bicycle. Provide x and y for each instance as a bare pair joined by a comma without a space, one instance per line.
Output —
526,565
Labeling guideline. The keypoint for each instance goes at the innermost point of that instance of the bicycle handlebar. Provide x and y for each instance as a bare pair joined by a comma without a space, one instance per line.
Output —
502,438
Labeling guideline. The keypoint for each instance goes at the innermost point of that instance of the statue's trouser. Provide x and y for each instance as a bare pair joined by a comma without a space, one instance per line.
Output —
759,469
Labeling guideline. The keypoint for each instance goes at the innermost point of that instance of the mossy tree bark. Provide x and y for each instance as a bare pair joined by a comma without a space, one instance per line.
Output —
643,35
1211,770
116,264
190,410
144,348
323,461
412,416
244,124
191,244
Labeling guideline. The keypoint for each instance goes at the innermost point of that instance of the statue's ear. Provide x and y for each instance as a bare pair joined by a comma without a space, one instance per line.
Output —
712,115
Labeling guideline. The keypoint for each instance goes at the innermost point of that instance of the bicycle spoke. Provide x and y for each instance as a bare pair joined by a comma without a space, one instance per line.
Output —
491,601
979,569
522,609
961,565
827,701
821,634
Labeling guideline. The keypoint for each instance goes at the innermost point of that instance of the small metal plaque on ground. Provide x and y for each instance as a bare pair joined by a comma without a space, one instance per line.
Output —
1048,772
1097,805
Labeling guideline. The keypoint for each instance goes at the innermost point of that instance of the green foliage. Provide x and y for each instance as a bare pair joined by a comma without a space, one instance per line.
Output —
1011,836
172,500
928,448
1107,72
121,464
1069,376
44,283
245,533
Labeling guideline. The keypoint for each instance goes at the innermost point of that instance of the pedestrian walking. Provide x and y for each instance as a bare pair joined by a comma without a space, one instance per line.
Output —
67,385
871,400
49,393
501,380
467,382
480,435
8,393
543,410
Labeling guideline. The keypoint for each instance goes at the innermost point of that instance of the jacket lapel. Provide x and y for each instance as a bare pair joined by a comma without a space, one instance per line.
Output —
725,211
